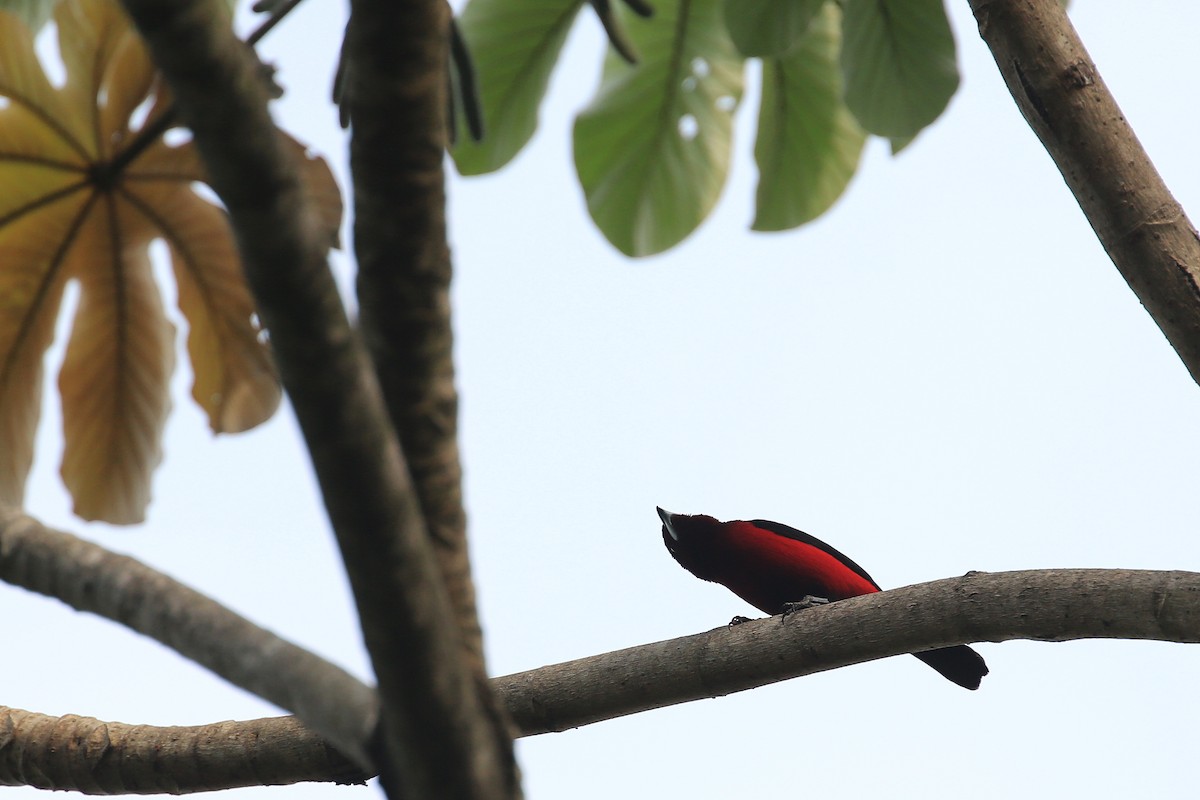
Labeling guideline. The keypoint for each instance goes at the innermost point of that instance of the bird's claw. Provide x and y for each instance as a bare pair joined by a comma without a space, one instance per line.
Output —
738,620
808,601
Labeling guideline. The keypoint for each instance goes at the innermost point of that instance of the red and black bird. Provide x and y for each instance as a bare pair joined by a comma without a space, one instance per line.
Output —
770,565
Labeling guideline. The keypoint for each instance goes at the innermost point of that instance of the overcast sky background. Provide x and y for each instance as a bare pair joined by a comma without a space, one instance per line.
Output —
945,373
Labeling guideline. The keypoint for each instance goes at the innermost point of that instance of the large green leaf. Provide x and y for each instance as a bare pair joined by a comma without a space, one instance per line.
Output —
514,45
652,149
899,64
768,27
808,141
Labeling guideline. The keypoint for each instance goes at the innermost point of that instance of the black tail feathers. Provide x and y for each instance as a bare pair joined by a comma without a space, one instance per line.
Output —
960,664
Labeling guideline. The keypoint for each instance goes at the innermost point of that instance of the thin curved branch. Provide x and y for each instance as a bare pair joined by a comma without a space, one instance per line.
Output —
1044,605
87,577
152,132
1063,98
86,755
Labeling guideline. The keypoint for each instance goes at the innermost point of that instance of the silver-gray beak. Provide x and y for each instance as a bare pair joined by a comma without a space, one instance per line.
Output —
666,517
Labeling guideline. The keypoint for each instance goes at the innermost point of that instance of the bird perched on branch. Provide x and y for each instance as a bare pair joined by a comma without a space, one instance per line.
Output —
776,569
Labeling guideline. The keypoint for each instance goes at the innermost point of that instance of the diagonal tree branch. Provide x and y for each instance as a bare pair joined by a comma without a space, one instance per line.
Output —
86,755
430,703
1063,98
87,577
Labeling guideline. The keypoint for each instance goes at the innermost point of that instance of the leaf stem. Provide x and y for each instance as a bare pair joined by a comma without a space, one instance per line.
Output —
165,121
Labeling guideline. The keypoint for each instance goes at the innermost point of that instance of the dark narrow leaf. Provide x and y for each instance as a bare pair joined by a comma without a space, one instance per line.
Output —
468,89
514,45
612,29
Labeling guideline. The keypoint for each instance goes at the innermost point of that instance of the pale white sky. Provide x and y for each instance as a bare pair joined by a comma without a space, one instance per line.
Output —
943,374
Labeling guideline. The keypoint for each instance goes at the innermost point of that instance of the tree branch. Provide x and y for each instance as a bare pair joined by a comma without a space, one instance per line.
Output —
394,79
87,577
395,65
86,755
1047,605
1044,605
1059,91
431,709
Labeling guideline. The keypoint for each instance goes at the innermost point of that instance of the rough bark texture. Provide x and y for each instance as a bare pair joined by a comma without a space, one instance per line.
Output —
1045,605
1060,92
87,577
437,739
394,81
86,755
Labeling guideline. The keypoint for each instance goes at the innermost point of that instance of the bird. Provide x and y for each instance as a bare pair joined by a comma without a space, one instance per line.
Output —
776,568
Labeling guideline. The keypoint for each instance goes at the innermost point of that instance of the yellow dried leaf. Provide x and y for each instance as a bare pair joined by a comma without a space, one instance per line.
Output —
114,378
82,197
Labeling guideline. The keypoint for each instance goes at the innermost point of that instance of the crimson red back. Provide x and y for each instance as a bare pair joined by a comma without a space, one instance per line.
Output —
764,563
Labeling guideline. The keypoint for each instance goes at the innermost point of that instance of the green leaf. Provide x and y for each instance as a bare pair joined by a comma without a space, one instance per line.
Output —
899,64
652,149
768,27
808,143
35,13
898,143
514,45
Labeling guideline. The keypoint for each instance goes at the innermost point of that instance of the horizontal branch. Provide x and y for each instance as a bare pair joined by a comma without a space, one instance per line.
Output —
86,755
88,577
1043,605
1046,605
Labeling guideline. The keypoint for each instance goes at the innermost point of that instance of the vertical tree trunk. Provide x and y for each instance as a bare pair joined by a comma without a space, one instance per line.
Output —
395,84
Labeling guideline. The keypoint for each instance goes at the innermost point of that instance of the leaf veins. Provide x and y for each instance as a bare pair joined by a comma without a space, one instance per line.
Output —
74,207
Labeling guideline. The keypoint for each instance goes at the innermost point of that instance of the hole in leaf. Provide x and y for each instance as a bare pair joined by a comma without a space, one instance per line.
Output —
45,44
138,118
688,127
689,84
260,333
177,136
726,103
205,191
700,67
